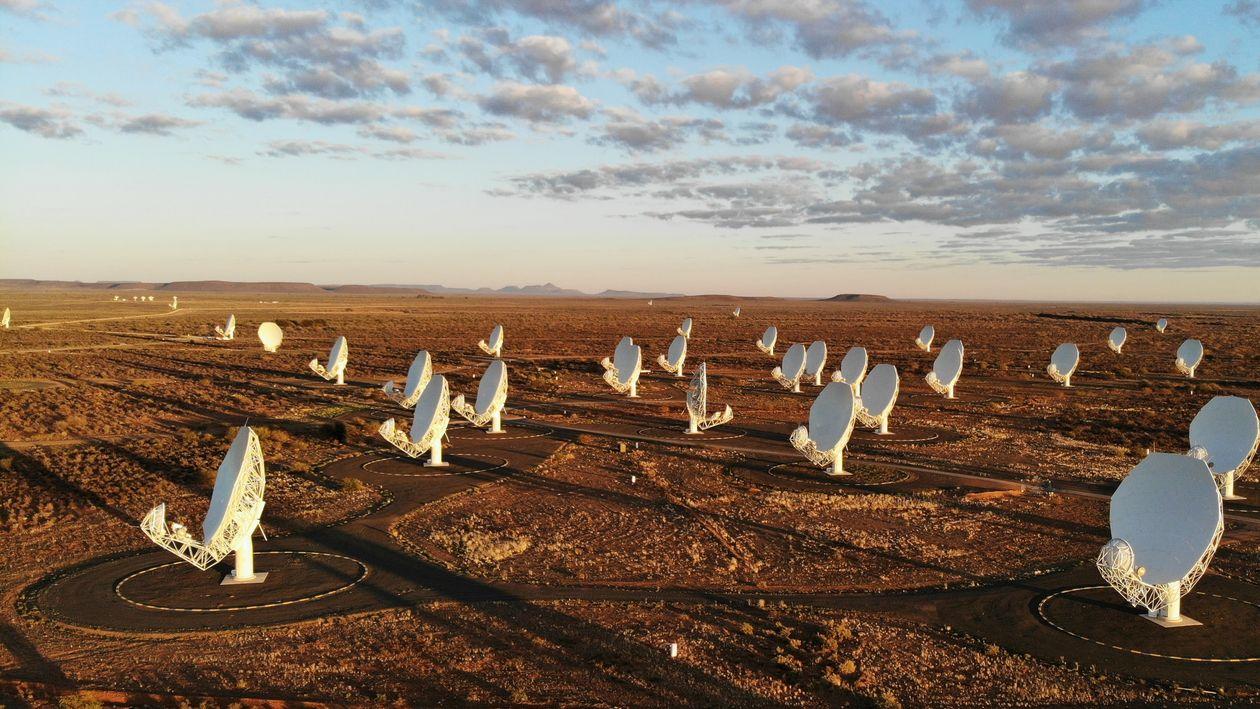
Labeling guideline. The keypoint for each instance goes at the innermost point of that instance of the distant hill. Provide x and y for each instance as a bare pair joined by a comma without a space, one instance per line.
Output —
545,290
379,290
857,298
240,287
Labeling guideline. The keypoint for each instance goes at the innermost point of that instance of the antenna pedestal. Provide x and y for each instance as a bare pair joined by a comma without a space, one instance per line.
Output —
634,389
1227,488
496,423
435,455
837,468
796,388
1170,616
244,571
949,393
341,378
692,429
883,426
818,377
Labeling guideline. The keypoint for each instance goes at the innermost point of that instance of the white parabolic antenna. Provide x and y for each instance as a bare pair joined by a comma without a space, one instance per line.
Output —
1189,356
491,397
924,340
879,395
418,375
4,318
494,346
235,508
428,423
271,336
699,418
1225,434
768,338
816,360
947,369
852,369
736,312
672,361
1117,338
622,371
685,328
793,368
228,331
1161,324
1166,522
831,420
337,358
174,302
1063,363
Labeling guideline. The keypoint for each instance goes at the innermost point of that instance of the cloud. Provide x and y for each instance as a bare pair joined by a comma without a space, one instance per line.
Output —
1245,11
29,9
591,18
254,107
1147,80
1174,135
536,104
722,88
317,54
821,28
1019,96
45,122
633,132
1038,24
341,151
155,124
67,89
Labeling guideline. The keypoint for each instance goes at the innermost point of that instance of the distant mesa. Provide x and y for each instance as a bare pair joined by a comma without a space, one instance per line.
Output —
546,290
857,298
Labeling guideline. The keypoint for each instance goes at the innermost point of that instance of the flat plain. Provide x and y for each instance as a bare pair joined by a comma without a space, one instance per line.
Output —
558,562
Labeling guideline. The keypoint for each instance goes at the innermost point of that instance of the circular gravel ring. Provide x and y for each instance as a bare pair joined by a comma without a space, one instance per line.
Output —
505,436
817,477
683,436
870,436
362,574
1045,617
438,472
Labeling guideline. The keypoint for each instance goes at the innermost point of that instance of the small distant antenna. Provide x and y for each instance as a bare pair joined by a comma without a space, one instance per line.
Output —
1116,339
492,394
793,368
673,360
337,358
946,369
1189,357
1161,324
4,319
685,328
1063,363
228,331
768,338
924,340
428,424
879,395
831,419
852,369
815,361
174,302
1225,434
418,376
494,347
622,371
735,313
271,336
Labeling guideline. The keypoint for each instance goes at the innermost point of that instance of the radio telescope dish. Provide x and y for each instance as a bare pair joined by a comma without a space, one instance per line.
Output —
228,331
337,358
1161,324
1189,357
622,371
768,338
418,375
491,398
1063,363
852,369
174,302
793,368
1225,434
946,369
830,425
649,302
685,328
494,347
4,319
698,416
924,340
1166,522
235,508
271,336
879,394
673,360
736,312
815,360
428,423
1117,339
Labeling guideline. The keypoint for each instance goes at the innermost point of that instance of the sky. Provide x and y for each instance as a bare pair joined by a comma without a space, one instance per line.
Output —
997,149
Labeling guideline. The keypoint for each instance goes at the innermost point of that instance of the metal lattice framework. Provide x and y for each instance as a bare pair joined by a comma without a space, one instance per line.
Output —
400,396
699,418
1055,374
613,377
228,332
790,383
244,511
1185,368
334,369
482,418
437,429
802,442
877,419
935,382
1225,478
1116,563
